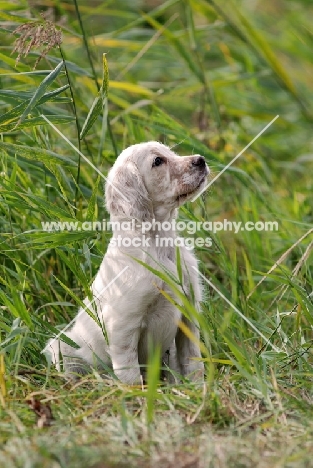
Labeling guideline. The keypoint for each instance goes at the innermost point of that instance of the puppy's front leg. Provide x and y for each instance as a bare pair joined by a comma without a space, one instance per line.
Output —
123,316
124,354
187,350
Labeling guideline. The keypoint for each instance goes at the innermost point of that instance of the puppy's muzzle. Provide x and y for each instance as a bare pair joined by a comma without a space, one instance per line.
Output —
199,162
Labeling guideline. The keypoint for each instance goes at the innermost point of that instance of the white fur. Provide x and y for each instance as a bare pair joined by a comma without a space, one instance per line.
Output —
132,309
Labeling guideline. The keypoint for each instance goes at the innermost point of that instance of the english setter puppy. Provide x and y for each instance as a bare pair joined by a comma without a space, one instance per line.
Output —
147,182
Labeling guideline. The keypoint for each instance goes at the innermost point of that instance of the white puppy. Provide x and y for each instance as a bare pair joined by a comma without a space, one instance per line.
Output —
147,182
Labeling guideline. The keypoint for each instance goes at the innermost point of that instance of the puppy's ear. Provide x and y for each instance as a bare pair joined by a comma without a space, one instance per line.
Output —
126,195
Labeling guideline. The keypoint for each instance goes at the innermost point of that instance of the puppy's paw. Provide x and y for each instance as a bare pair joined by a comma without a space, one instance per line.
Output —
129,376
194,371
196,376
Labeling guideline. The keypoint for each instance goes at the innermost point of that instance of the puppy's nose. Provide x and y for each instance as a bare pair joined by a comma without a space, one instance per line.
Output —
198,161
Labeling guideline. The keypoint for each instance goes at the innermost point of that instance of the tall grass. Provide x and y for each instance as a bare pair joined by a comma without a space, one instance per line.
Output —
204,77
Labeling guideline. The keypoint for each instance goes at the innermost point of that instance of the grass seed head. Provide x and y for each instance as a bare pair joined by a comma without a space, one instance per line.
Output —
42,35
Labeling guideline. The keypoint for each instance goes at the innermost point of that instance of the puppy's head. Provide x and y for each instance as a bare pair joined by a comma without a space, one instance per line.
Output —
149,181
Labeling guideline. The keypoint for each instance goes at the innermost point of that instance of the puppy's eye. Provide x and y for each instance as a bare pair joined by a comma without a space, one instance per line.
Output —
157,162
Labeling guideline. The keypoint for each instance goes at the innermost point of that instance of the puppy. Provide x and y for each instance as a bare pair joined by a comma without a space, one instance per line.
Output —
147,182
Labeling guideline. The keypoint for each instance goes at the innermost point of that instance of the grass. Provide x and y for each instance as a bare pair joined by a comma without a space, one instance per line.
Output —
205,76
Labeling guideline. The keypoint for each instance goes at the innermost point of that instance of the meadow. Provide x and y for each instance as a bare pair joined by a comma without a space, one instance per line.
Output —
79,82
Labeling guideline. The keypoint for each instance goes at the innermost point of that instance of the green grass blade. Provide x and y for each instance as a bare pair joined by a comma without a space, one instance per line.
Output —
16,306
36,154
34,122
39,93
18,97
153,378
99,103
179,266
79,302
12,115
92,204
